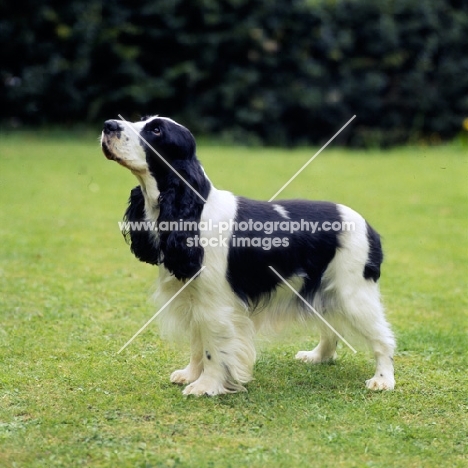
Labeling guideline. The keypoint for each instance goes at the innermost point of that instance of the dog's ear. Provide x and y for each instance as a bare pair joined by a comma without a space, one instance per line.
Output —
182,255
143,243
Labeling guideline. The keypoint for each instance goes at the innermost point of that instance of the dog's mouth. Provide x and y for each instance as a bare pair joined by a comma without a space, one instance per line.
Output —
111,156
112,153
107,152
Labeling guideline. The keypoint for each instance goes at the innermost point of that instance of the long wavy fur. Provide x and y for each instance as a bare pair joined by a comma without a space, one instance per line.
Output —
178,202
143,243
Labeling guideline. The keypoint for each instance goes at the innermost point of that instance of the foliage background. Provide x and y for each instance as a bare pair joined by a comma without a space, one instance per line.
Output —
276,71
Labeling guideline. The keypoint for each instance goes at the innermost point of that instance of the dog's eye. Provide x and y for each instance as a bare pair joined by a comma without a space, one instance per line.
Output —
156,131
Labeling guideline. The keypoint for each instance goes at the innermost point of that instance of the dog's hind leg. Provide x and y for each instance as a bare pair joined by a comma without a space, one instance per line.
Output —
382,342
325,351
353,277
364,312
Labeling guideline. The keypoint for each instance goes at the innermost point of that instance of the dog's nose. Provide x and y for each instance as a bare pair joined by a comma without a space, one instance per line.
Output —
112,126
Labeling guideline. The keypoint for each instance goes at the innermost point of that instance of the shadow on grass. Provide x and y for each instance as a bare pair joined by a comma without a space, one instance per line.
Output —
281,373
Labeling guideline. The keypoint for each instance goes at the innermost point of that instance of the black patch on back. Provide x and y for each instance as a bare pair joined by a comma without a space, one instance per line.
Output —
307,254
375,255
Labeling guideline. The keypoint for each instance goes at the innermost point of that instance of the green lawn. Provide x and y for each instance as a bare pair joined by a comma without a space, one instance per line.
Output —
72,295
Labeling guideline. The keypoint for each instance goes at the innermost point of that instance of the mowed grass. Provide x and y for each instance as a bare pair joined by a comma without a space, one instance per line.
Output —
72,294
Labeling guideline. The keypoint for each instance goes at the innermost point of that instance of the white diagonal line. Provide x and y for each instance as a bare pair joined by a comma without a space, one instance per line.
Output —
311,308
160,310
162,158
312,158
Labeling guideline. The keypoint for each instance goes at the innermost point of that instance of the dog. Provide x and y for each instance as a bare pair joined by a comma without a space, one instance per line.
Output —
229,265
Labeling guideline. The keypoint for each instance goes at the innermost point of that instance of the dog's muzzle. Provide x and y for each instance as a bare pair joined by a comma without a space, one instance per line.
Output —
112,129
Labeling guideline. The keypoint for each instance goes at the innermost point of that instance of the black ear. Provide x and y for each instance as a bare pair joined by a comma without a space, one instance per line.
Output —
178,202
180,258
143,242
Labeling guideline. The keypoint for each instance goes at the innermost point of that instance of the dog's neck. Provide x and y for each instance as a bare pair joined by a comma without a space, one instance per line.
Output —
150,192
153,188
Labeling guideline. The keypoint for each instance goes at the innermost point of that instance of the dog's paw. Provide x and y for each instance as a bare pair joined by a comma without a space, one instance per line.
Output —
380,383
314,357
205,386
183,376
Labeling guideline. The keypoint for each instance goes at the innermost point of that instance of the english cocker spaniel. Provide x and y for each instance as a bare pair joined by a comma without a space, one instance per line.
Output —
249,263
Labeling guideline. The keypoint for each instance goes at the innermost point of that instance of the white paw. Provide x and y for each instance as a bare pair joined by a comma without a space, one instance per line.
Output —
205,386
183,376
314,357
380,383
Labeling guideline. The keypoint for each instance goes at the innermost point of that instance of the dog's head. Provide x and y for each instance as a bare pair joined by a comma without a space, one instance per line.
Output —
151,144
161,154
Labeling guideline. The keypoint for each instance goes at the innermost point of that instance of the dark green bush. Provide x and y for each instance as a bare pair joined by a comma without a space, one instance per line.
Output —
279,71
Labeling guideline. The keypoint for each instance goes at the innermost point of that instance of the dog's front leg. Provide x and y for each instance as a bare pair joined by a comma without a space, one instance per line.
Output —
193,371
228,353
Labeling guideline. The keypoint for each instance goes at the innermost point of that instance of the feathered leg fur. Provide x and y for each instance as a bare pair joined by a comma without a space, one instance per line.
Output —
221,335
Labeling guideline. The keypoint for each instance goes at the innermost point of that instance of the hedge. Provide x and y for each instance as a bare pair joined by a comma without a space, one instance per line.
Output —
276,71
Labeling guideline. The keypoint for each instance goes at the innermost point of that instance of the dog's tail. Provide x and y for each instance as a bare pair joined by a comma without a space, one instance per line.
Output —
375,255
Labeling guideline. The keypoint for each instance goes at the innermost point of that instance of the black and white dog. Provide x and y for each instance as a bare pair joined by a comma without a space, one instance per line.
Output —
242,258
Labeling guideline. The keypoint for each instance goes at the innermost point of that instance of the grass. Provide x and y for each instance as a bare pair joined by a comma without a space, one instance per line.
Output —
72,295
